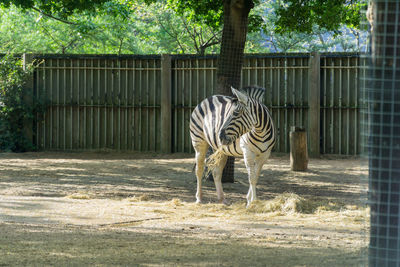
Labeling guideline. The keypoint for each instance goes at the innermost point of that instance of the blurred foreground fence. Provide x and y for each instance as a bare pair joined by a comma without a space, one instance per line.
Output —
144,103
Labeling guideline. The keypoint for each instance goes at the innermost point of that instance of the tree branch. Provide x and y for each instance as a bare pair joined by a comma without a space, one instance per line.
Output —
120,45
207,44
193,36
52,17
170,34
51,36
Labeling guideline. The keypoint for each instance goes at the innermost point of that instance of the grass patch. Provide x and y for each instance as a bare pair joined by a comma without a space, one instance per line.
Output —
291,203
143,197
79,196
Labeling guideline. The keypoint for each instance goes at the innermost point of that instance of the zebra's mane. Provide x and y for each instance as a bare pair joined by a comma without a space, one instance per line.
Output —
255,92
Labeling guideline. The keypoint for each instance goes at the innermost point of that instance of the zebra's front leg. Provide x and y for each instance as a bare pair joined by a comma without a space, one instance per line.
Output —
253,166
201,151
253,179
217,175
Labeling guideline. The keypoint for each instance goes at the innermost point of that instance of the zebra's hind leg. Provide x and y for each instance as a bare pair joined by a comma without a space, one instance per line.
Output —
201,150
217,174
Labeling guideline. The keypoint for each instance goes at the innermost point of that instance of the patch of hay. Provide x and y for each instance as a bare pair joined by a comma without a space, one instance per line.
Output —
79,196
327,206
293,204
175,202
214,160
287,203
143,197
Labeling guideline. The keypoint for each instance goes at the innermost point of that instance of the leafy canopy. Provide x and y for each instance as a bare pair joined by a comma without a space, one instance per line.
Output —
294,15
302,15
62,8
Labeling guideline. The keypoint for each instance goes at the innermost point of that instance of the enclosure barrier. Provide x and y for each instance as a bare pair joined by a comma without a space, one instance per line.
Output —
143,103
381,129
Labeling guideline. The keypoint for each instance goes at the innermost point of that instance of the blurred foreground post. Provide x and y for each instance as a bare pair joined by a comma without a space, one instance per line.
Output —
383,133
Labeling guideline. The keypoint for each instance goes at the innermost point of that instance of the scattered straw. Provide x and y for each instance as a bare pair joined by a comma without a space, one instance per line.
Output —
214,160
144,197
79,196
176,202
287,203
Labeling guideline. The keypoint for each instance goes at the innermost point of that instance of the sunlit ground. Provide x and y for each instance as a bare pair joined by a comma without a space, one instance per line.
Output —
126,209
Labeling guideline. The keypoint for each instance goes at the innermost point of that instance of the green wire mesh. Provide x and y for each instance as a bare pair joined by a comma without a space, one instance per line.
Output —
382,132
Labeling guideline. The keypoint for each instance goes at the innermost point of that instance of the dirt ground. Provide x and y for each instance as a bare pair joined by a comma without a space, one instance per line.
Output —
111,209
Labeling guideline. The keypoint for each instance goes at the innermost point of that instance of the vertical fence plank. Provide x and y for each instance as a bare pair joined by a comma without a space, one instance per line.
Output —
331,106
27,59
314,105
324,115
118,102
166,103
348,104
135,106
99,104
340,103
58,103
356,106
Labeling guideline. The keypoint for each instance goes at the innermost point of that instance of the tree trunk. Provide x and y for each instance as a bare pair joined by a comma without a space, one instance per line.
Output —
234,33
230,60
384,134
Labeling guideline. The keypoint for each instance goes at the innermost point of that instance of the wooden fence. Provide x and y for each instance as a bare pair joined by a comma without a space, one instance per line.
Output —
144,103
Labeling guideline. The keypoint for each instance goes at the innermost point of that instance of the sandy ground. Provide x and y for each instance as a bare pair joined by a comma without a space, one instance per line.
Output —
110,209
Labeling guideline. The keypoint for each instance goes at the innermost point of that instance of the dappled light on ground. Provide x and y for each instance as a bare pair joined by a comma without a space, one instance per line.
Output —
123,209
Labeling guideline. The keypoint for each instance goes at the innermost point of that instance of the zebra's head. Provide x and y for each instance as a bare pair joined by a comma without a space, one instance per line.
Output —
239,121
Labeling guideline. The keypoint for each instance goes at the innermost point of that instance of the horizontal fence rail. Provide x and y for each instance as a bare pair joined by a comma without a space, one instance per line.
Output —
115,102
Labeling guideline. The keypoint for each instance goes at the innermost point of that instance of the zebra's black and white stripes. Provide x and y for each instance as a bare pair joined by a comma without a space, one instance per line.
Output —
254,92
238,126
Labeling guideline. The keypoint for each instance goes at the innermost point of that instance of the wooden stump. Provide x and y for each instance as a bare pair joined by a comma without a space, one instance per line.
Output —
298,149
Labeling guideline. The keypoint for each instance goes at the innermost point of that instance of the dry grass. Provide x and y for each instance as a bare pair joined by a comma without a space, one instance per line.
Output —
126,209
79,195
286,203
142,197
214,160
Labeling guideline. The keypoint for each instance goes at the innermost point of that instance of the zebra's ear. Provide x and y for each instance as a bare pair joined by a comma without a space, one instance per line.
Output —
241,96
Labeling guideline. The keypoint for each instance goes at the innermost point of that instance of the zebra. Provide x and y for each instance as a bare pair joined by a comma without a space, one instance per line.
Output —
240,126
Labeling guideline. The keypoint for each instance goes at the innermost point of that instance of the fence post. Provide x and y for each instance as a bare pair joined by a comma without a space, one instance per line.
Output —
314,105
298,149
27,59
166,103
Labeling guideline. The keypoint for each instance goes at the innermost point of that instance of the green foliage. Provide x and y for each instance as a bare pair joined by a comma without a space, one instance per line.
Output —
140,29
167,26
208,11
302,16
14,112
319,39
60,8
